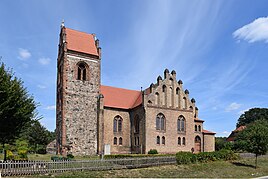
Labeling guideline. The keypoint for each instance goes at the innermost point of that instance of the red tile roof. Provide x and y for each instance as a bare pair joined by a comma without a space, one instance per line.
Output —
208,132
80,42
121,98
240,128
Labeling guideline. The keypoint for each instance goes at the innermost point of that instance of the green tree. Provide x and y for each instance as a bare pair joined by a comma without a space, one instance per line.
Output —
17,107
254,138
38,137
252,115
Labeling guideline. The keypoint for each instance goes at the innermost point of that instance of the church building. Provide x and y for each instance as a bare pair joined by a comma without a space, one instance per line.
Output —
93,119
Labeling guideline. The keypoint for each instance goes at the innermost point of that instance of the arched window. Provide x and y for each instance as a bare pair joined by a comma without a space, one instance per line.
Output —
120,141
160,122
178,91
157,98
195,128
164,88
181,124
150,102
81,71
136,124
179,141
115,141
163,140
157,140
199,128
117,124
183,141
184,105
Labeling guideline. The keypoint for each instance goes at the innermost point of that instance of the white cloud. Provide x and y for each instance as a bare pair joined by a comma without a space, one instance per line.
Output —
242,111
44,61
53,107
41,86
232,106
24,54
254,31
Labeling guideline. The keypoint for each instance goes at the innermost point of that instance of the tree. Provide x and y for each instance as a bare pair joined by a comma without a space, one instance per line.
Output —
38,137
252,115
254,138
17,108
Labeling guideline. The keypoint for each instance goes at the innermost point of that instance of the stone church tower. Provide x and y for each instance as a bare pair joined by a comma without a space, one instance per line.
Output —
78,85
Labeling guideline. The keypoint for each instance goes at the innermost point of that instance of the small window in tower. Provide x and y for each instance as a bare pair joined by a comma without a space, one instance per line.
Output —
199,128
81,71
179,141
183,141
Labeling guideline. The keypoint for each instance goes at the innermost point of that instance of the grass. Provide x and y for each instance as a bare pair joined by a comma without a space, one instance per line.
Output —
243,168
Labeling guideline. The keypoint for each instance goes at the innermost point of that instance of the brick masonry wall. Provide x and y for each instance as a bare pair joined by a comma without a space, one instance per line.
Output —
109,135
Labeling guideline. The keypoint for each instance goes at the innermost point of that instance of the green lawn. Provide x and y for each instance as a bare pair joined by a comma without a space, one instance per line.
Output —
220,169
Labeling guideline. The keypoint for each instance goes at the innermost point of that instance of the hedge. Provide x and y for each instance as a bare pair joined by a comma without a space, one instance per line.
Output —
114,156
188,157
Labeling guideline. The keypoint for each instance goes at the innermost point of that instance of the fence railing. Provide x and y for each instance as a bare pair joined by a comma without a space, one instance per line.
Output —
20,168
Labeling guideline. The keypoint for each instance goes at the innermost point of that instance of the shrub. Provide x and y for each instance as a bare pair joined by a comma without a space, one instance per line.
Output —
114,156
185,158
70,156
152,151
10,155
202,157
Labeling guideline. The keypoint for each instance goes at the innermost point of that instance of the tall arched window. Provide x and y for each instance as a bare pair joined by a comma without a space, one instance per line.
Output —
184,104
181,124
120,141
164,88
81,71
179,141
157,140
199,128
163,140
195,128
157,98
118,123
183,141
136,124
164,93
160,122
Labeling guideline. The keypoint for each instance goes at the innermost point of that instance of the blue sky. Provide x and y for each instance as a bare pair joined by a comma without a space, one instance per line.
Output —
218,49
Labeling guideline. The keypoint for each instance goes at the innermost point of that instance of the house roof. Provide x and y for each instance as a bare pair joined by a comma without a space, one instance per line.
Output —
81,42
208,132
121,98
198,120
240,128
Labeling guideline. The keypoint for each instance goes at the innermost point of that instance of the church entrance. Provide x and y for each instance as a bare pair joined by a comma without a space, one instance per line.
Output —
197,144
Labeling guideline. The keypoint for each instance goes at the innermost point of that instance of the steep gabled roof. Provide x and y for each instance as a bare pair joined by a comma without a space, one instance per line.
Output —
81,42
121,98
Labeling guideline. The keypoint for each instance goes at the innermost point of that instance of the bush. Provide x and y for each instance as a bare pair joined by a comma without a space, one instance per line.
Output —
58,158
70,156
202,157
115,156
185,158
10,155
152,151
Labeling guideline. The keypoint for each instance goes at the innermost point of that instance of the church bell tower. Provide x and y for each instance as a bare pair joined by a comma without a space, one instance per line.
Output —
78,85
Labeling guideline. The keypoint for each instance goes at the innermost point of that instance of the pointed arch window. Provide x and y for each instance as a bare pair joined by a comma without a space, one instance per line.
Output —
179,141
157,140
117,124
183,141
136,124
163,140
115,141
160,122
82,71
181,124
184,104
120,141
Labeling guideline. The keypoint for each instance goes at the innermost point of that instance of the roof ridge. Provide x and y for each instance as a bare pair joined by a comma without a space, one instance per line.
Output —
79,31
121,88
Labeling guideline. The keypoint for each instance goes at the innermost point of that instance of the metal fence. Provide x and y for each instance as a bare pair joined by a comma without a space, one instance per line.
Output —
20,168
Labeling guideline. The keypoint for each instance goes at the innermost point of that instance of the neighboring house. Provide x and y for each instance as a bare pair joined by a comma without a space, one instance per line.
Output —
95,119
234,133
51,147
